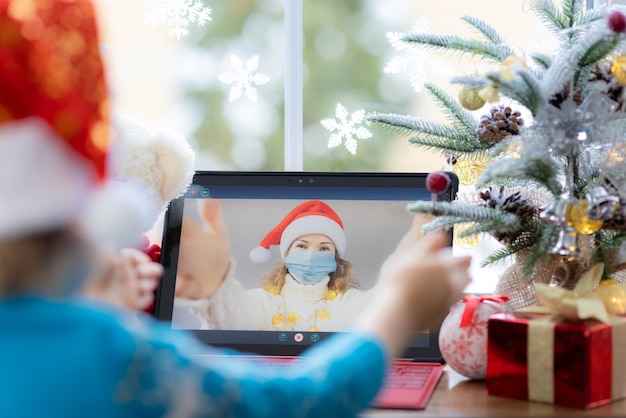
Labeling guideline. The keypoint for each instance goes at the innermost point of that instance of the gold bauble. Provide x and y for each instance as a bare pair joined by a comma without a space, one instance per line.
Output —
618,69
580,220
613,294
468,170
607,283
489,94
470,99
506,72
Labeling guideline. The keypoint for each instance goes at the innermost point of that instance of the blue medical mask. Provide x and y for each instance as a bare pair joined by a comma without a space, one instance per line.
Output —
309,267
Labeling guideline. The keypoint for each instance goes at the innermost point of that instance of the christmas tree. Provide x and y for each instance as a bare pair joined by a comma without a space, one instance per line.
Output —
553,187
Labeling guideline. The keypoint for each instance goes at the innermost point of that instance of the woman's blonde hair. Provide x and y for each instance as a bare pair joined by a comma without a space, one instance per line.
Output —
340,280
41,263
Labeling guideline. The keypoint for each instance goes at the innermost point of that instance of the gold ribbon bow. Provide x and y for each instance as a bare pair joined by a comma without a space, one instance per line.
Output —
586,301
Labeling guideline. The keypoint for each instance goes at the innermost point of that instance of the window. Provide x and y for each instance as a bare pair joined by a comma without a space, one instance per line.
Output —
283,84
228,74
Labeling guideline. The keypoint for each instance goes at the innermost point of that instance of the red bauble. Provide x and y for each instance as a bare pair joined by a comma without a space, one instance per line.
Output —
437,182
616,21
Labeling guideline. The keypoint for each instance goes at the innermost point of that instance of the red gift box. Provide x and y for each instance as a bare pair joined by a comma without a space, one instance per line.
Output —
537,358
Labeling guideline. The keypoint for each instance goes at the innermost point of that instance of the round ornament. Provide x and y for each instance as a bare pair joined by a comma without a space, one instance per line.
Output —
437,182
489,94
470,99
613,294
618,69
463,334
616,21
580,220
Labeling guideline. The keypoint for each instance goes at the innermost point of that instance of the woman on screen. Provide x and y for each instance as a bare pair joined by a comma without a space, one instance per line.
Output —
311,289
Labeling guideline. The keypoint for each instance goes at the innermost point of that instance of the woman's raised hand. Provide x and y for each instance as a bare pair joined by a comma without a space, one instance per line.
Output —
204,255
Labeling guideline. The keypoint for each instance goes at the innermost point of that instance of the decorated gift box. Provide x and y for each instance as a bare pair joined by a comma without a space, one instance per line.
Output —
570,351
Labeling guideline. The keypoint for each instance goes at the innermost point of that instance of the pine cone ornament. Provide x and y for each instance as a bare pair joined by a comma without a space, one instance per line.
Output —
611,82
500,122
513,203
560,97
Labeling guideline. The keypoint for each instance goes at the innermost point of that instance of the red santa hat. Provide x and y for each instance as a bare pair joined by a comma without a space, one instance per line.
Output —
311,217
54,116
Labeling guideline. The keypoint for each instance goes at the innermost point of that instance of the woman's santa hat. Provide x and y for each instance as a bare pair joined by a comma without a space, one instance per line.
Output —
54,123
311,217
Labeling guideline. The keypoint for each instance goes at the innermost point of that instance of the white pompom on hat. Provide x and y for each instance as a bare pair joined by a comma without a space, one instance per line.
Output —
311,217
160,159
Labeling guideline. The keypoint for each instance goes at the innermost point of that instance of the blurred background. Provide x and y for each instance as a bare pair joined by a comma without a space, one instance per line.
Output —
216,71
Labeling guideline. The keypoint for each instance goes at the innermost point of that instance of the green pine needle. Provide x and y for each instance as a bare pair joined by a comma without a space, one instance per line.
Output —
543,60
470,81
590,53
538,167
557,19
409,126
545,239
467,213
453,109
488,31
441,42
523,86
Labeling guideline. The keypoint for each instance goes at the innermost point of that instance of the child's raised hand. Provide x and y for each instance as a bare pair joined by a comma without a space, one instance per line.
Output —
204,255
429,276
418,284
126,278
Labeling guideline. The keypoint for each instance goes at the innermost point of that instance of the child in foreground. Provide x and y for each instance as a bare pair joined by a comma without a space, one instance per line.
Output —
63,355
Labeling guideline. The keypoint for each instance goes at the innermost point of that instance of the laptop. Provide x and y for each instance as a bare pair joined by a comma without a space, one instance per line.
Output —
373,210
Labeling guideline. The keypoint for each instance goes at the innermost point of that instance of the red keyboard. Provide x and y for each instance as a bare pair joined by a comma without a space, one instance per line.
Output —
408,376
408,385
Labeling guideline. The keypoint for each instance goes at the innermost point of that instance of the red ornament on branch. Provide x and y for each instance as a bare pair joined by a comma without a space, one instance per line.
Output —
616,21
437,182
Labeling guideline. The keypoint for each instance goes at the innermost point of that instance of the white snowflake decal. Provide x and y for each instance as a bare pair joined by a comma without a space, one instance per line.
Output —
243,78
177,15
413,60
346,126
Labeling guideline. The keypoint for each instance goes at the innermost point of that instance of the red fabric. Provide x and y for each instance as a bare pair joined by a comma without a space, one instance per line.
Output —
154,252
472,302
49,52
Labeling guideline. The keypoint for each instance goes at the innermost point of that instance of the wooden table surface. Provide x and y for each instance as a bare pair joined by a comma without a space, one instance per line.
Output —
457,396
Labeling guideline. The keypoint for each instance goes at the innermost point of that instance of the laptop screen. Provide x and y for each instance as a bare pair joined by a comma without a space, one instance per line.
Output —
232,238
